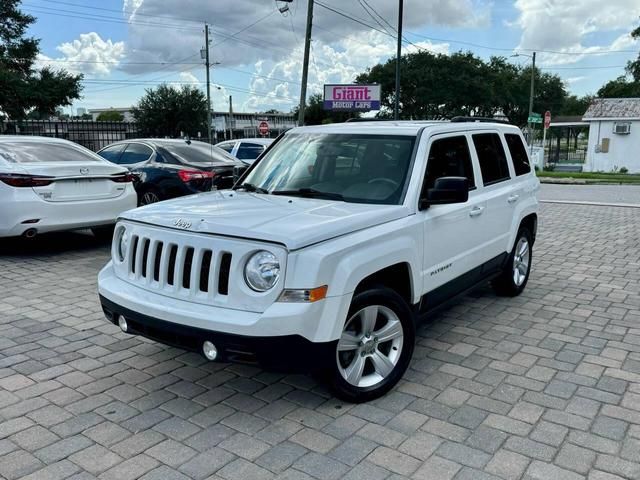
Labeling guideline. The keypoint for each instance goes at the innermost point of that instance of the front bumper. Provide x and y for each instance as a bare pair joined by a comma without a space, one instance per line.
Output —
291,353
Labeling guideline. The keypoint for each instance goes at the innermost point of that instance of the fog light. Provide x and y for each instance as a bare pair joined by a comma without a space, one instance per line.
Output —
210,351
122,323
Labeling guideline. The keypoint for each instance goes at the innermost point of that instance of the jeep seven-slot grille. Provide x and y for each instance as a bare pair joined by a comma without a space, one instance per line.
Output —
179,266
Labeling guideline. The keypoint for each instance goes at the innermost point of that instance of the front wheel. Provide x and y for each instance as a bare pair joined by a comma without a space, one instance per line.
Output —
515,274
375,347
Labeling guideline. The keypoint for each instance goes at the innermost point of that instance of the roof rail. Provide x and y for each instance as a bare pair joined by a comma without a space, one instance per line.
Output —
367,119
478,119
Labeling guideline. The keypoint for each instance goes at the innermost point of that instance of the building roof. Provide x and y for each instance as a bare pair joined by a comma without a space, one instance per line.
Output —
613,109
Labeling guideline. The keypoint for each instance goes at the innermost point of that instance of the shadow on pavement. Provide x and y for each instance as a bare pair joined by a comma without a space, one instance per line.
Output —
51,243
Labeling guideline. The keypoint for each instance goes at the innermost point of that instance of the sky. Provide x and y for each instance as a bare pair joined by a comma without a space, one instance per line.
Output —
125,46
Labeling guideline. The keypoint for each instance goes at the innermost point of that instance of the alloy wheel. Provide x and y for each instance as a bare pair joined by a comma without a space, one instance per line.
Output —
521,261
370,346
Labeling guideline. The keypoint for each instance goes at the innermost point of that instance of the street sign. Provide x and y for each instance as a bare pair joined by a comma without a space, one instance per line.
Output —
352,98
263,128
547,119
533,119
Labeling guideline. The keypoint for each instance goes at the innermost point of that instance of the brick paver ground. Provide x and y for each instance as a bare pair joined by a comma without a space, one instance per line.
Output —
545,386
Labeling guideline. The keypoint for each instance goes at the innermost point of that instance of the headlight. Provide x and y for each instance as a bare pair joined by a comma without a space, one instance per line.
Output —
262,271
122,243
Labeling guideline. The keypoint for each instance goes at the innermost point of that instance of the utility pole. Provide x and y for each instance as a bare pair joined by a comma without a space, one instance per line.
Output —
533,74
396,107
305,64
206,49
230,117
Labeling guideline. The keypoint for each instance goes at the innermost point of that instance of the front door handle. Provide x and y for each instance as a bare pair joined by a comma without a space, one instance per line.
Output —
475,211
513,198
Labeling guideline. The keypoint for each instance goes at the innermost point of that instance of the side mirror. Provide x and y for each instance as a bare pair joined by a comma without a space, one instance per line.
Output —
446,190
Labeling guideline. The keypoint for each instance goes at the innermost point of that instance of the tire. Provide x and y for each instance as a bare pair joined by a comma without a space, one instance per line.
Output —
364,367
147,197
515,274
104,233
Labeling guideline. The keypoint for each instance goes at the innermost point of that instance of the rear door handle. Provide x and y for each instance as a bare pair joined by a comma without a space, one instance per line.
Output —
475,211
513,198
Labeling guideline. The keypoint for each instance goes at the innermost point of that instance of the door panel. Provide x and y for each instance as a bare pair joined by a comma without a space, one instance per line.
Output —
450,231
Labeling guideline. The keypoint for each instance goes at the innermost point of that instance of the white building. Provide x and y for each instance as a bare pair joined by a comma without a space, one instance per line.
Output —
126,112
614,135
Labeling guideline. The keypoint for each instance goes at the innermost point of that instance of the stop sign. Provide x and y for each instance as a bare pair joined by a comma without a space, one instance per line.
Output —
547,119
263,128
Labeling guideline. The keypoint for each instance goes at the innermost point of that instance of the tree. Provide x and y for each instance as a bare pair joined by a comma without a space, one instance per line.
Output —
574,105
633,68
169,111
437,86
22,87
110,116
620,88
315,114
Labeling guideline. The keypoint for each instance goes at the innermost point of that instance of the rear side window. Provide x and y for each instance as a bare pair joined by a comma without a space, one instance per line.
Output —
492,158
36,152
227,147
249,151
135,153
518,154
449,157
112,153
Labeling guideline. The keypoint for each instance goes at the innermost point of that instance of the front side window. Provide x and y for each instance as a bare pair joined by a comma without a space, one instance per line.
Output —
518,154
492,159
356,168
449,157
135,153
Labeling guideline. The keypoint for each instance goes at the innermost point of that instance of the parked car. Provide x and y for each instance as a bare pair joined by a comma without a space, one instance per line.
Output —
166,168
328,249
246,149
49,184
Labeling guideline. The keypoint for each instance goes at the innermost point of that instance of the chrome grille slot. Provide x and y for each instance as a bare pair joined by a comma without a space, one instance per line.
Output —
157,262
172,264
186,271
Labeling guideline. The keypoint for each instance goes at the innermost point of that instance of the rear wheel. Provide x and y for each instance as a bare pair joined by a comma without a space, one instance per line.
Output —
375,347
515,275
148,197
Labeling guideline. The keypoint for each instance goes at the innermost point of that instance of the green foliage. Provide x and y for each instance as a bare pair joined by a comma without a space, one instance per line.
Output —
110,116
620,88
23,88
436,86
574,105
633,68
315,114
167,111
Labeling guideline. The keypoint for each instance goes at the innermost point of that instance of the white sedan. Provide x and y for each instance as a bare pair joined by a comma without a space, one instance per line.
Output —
49,184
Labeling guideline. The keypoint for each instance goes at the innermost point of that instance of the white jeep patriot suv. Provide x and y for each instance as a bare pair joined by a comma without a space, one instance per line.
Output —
329,247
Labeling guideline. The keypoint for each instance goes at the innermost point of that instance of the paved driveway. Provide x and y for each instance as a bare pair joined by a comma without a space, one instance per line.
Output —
545,386
591,193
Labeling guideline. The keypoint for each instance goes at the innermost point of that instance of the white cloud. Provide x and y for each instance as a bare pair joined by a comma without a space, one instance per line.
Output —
339,63
572,80
87,54
570,27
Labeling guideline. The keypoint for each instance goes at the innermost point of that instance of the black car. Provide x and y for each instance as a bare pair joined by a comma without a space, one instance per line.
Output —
172,168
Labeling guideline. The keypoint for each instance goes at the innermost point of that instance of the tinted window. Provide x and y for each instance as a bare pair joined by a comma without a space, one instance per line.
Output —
493,161
227,147
361,168
249,151
112,153
135,153
518,154
197,152
32,152
449,157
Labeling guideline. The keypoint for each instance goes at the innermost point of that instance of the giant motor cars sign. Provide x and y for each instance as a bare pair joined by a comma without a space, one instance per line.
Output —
352,98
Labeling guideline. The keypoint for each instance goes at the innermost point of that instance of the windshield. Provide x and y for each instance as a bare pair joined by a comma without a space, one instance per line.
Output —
198,153
351,167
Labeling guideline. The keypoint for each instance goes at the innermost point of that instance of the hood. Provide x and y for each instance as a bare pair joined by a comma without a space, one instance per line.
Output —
291,221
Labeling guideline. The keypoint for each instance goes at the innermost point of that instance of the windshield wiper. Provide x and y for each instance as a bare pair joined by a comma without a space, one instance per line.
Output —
249,187
309,192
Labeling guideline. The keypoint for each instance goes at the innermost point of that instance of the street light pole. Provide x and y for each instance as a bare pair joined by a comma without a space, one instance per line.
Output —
533,76
206,49
396,106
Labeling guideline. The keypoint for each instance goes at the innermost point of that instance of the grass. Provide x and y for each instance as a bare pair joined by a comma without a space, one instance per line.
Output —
595,177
